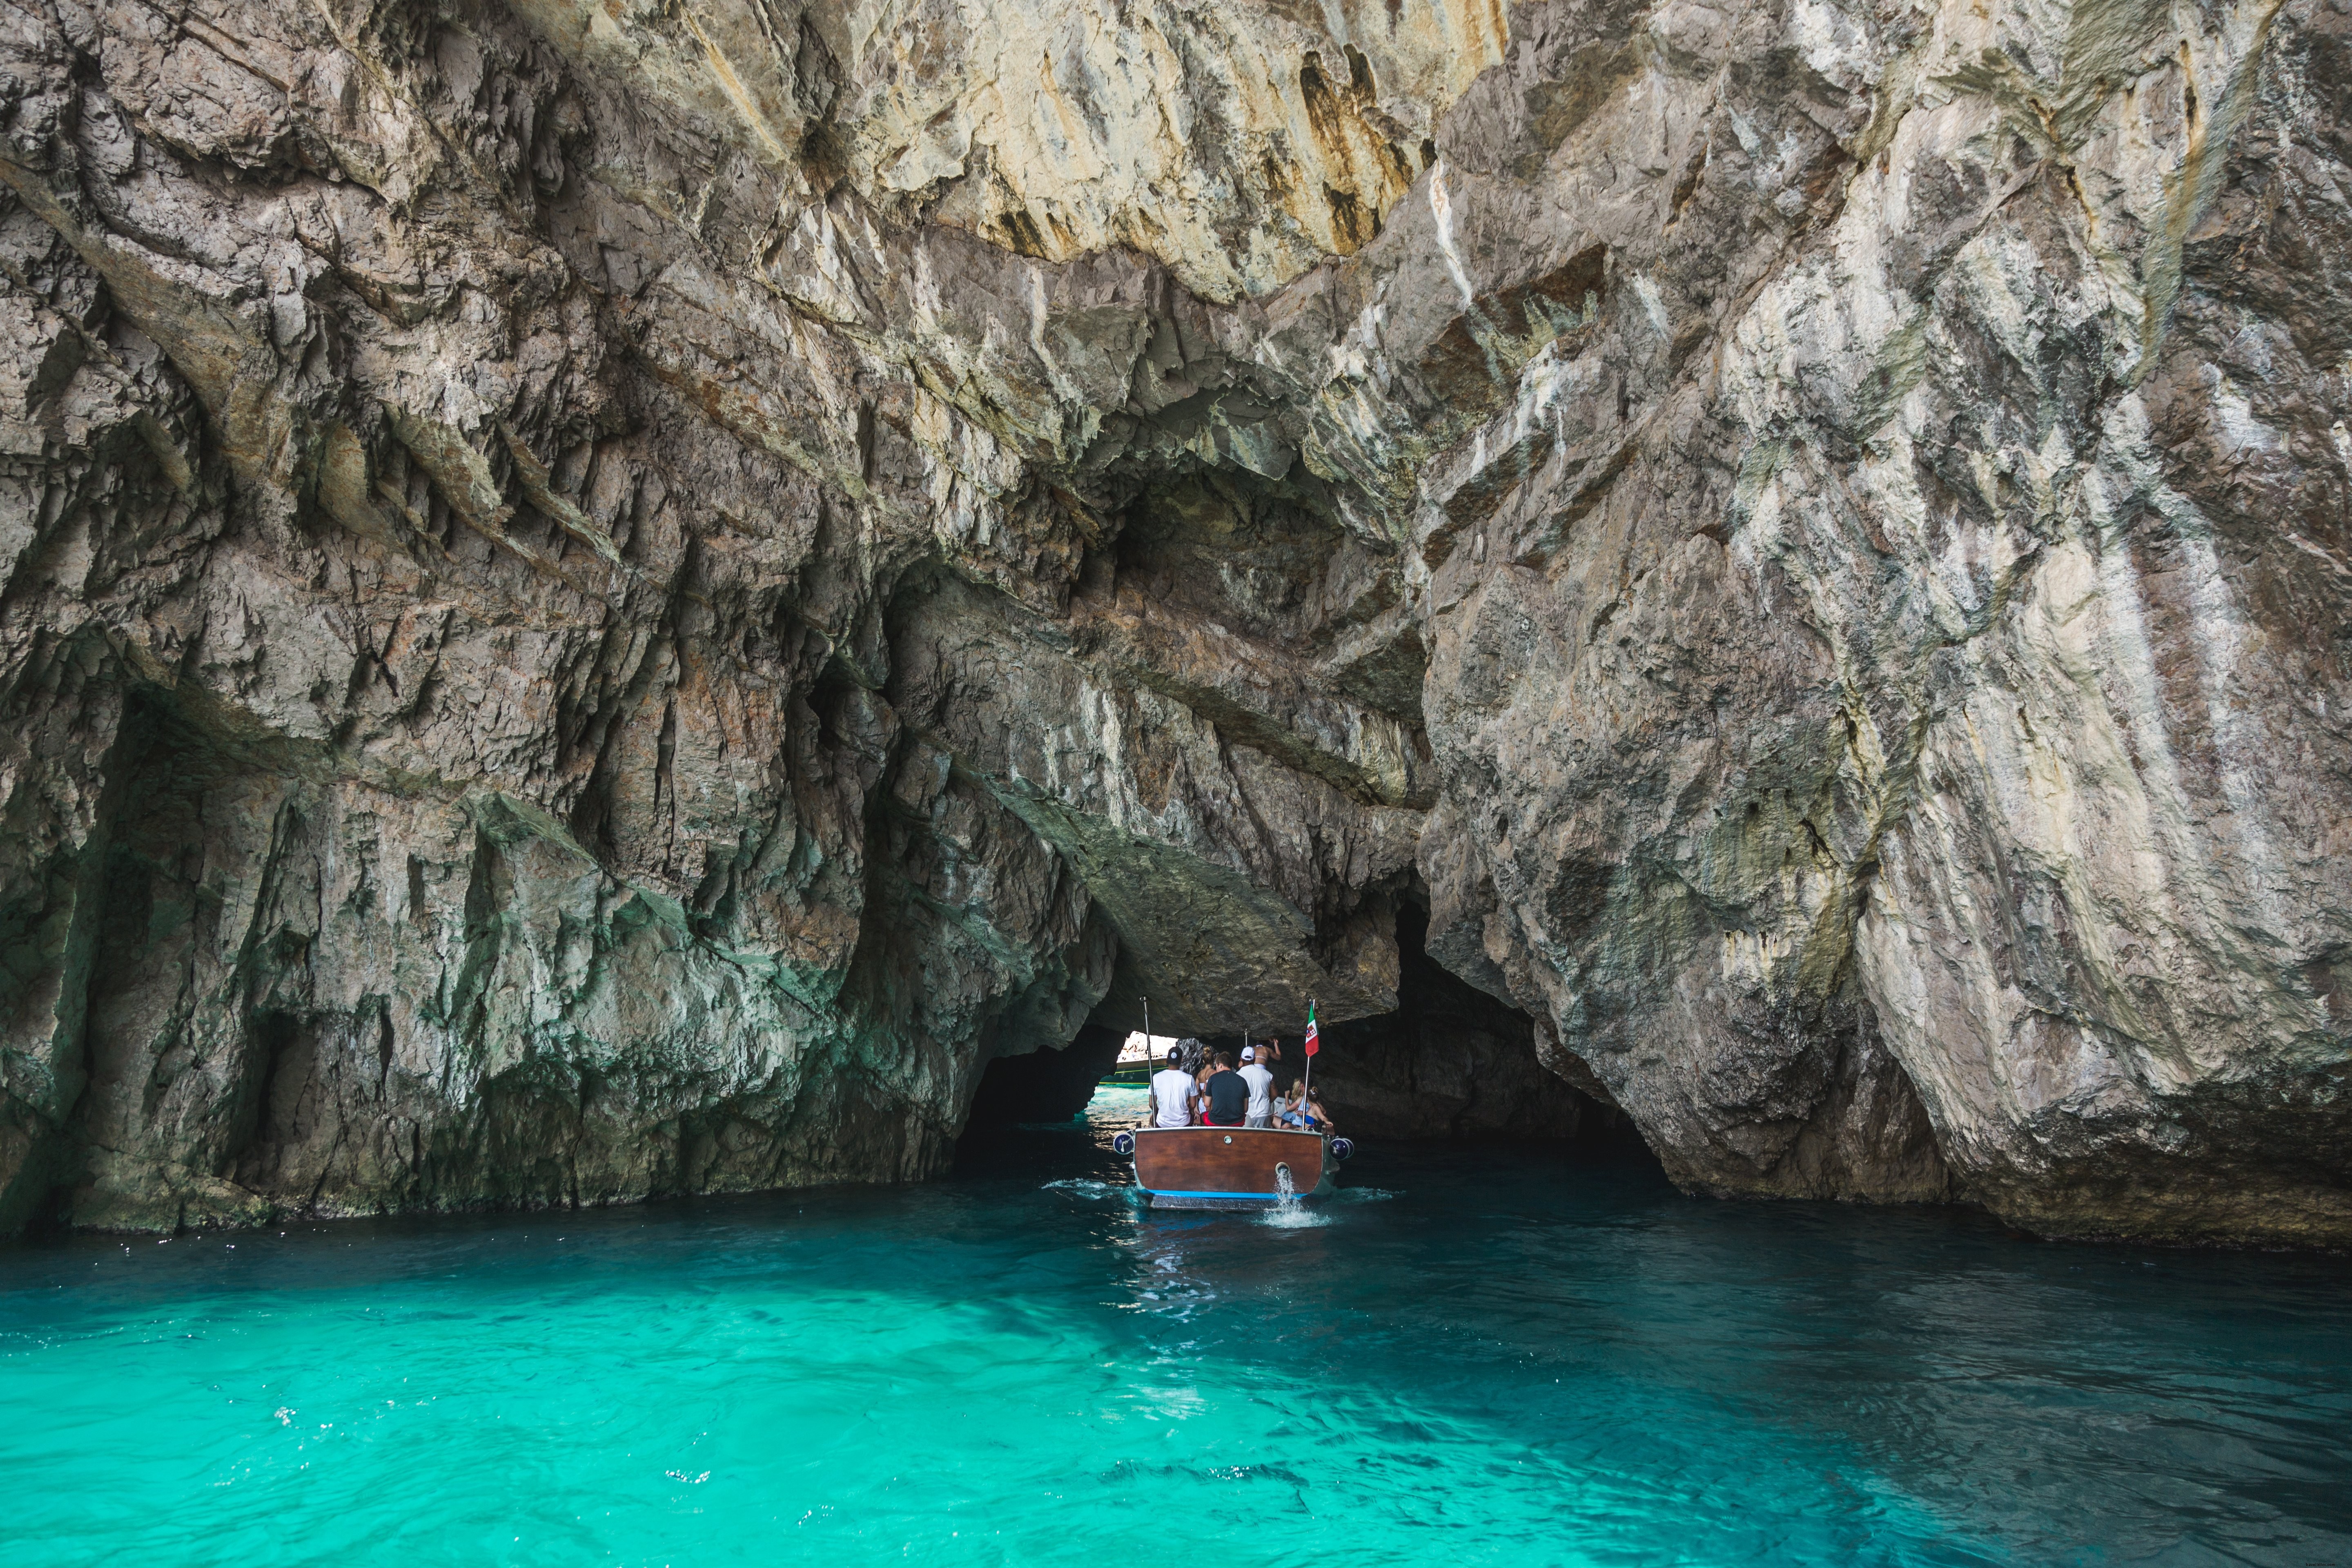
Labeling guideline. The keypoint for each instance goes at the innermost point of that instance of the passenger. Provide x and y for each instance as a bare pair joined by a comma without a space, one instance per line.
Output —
1173,1092
1260,1089
1300,1108
1228,1093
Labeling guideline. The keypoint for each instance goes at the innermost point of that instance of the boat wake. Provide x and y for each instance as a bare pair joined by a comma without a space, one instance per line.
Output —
1089,1187
1289,1213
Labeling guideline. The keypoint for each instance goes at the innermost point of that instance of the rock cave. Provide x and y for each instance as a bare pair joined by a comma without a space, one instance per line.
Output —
618,600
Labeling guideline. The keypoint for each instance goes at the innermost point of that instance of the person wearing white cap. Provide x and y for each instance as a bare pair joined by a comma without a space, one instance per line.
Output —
1260,1088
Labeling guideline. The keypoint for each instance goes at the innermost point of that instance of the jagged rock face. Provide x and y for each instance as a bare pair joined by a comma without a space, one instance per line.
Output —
609,600
1450,1061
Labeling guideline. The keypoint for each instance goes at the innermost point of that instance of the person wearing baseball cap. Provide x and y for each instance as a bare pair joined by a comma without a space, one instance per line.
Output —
1261,1089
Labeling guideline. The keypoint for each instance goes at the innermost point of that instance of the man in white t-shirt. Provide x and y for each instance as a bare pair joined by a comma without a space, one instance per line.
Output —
1172,1094
1260,1088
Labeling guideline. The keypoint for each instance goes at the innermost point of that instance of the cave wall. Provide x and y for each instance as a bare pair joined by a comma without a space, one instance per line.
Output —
615,599
1451,1061
1046,1084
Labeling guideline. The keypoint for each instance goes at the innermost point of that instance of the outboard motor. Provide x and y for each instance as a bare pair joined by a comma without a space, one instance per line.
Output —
1340,1148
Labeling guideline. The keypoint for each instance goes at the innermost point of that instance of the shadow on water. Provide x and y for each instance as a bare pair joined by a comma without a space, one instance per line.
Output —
1472,1355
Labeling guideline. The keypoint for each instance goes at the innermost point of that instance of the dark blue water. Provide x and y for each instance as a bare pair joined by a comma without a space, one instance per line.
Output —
1485,1357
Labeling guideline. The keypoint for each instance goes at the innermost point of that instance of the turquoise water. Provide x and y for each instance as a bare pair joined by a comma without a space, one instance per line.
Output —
1492,1358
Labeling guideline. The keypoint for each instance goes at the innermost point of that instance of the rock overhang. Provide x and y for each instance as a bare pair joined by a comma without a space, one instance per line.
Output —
1729,515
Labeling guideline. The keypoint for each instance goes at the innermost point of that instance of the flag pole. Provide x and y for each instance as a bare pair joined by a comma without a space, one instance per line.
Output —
1307,1084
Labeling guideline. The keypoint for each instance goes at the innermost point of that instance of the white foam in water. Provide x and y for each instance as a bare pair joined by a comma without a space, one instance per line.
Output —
1293,1214
1289,1213
1086,1186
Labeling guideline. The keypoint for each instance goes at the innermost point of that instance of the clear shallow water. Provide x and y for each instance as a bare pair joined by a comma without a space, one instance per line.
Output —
1488,1358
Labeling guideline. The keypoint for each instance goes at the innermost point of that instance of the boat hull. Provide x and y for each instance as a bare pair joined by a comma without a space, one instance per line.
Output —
1229,1167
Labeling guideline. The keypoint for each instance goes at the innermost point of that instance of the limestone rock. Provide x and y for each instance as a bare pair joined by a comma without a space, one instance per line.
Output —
605,600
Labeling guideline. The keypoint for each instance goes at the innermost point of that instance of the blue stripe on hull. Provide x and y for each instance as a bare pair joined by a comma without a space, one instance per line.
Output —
1173,1192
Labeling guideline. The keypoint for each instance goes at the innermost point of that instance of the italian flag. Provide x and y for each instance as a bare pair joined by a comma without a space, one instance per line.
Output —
1311,1035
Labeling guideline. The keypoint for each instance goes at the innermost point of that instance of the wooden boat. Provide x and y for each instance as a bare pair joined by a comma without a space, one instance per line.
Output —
1231,1167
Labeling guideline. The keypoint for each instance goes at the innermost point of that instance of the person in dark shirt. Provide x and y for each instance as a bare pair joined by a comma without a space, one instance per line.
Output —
1229,1094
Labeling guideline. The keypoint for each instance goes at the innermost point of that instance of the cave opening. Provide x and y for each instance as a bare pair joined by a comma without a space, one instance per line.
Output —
1450,1064
1242,593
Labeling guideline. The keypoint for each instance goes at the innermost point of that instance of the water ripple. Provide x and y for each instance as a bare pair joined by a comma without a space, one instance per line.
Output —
1487,1359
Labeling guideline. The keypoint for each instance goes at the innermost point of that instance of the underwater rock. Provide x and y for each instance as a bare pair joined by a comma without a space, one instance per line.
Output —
607,600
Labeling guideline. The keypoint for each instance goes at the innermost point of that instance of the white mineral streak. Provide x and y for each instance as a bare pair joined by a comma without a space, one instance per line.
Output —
1441,209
